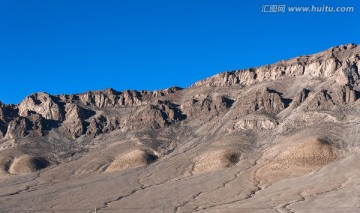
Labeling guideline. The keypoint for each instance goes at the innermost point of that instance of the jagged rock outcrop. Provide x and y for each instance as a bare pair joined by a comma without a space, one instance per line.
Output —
157,115
98,112
102,124
18,127
78,120
300,97
159,93
270,101
33,125
342,61
256,122
111,98
76,128
205,106
326,99
263,100
7,113
43,104
347,94
322,100
76,116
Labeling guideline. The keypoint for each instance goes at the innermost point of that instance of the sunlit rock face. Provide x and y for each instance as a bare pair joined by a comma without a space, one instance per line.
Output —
277,138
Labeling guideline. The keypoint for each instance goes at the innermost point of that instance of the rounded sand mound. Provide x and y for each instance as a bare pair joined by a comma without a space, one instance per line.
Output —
310,155
27,164
313,152
132,159
214,160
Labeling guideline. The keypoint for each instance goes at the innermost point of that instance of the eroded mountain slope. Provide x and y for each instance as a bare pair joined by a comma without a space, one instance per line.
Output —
278,138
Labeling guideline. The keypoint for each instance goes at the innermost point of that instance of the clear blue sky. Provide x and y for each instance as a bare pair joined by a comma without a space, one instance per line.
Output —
72,46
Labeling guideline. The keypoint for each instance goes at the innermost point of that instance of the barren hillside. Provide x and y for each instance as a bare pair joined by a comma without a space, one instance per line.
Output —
276,138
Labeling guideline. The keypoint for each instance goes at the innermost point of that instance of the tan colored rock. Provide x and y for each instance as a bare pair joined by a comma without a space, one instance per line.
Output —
346,95
324,64
256,122
18,128
75,128
322,100
33,125
43,104
327,99
300,98
130,97
111,98
207,106
157,115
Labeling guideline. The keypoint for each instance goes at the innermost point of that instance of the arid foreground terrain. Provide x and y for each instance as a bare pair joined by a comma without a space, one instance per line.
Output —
277,138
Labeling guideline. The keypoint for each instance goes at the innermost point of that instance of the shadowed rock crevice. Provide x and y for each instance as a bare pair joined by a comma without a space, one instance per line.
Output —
347,94
5,163
300,97
270,101
223,103
7,114
285,101
357,94
351,73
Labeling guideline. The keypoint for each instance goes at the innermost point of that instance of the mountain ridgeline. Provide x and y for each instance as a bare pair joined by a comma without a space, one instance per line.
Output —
276,138
100,112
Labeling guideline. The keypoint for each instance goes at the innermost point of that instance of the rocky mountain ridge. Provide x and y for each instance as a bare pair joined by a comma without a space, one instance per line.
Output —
276,138
341,62
80,114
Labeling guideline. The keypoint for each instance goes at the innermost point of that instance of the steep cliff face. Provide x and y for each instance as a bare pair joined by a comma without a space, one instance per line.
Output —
43,104
111,98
